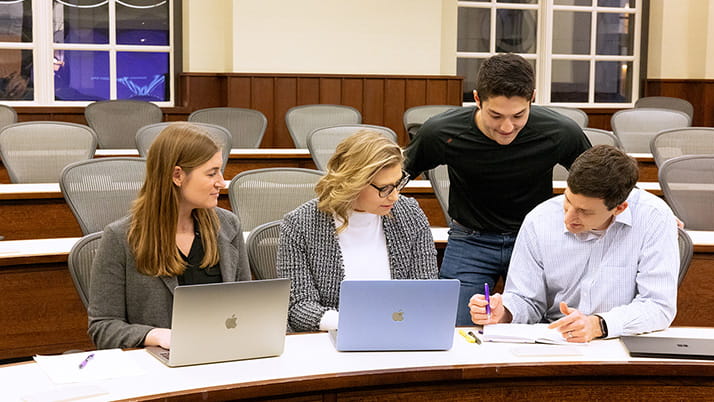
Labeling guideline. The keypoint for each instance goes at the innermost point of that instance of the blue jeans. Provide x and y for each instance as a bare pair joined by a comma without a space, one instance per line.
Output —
475,258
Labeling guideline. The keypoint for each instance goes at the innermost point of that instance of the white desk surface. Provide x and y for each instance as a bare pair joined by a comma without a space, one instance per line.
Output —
39,247
235,152
306,355
412,185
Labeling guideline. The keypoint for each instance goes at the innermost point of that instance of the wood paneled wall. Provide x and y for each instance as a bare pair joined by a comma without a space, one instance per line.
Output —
699,92
382,99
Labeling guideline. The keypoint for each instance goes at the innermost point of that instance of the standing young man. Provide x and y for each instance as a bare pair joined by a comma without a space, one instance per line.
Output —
500,155
600,261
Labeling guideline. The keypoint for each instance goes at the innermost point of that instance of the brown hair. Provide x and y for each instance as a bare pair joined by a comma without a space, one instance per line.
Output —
357,159
506,75
604,172
154,220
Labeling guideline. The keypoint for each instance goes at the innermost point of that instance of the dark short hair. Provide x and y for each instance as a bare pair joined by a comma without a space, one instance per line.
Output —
604,172
506,75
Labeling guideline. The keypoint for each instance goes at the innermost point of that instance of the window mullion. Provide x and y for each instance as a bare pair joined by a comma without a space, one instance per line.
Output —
42,55
112,50
544,61
593,53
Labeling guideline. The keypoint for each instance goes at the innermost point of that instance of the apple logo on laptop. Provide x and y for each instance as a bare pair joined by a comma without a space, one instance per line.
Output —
232,322
398,315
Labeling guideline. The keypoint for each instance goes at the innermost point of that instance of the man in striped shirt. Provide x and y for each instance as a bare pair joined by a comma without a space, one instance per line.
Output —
599,261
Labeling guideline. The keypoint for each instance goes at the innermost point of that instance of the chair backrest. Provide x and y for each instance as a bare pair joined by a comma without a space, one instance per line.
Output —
439,178
578,115
667,102
7,116
100,191
302,120
420,114
688,186
265,195
80,261
147,134
686,251
117,121
36,152
675,142
322,142
636,127
246,126
596,137
262,246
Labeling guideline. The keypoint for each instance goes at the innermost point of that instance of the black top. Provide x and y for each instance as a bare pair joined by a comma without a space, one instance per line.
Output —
194,275
494,186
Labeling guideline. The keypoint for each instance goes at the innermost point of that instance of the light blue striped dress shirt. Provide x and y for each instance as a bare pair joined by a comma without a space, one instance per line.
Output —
628,275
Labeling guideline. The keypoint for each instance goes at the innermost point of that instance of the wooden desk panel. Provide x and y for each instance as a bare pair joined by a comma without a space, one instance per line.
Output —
41,311
581,381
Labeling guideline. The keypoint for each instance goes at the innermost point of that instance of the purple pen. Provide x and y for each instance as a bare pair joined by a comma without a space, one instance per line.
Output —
487,294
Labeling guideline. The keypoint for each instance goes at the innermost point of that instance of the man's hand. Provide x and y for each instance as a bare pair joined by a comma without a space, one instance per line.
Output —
477,307
576,326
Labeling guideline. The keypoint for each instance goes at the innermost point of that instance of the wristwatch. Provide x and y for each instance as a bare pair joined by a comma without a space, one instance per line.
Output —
603,327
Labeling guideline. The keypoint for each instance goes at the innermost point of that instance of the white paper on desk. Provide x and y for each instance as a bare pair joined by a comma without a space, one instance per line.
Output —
523,333
110,363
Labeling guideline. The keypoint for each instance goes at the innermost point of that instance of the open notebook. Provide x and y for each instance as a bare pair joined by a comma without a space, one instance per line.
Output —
522,333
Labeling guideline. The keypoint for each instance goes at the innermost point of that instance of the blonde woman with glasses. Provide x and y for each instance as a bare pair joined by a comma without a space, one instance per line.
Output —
359,227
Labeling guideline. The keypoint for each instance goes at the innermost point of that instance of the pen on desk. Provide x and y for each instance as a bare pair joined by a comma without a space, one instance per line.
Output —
487,295
86,360
478,341
469,339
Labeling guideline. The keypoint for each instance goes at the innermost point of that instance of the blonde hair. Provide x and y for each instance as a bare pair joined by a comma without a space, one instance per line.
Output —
154,220
357,159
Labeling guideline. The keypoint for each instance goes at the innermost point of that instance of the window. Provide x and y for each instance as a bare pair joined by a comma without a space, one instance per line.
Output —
585,52
73,52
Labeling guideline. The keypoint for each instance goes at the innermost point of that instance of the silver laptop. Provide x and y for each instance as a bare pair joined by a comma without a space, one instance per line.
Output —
671,348
396,315
227,321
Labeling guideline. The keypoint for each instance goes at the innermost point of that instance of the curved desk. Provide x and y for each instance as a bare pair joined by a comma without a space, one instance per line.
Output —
310,369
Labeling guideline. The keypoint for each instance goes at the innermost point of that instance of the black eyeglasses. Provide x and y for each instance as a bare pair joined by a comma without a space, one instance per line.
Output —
384,191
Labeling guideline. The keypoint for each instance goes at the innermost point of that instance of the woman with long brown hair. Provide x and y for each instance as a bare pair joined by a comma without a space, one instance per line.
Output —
174,235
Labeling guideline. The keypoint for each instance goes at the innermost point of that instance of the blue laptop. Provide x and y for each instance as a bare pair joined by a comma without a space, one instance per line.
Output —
397,315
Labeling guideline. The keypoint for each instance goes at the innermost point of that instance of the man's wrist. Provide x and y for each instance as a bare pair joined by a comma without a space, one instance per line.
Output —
602,326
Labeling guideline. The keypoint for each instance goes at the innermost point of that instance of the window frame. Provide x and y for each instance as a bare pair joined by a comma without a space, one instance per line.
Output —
43,47
544,57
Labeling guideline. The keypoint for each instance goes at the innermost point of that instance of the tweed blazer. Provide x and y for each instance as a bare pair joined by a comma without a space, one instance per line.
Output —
124,305
309,254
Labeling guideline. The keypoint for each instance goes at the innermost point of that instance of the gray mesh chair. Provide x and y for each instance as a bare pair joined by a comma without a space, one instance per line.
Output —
686,251
578,115
265,195
439,179
246,126
323,141
688,186
596,137
666,102
675,142
262,246
302,120
415,116
636,127
80,261
117,121
147,134
100,191
36,152
7,116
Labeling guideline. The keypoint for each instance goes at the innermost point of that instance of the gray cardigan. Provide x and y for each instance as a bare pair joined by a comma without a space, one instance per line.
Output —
309,254
124,305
